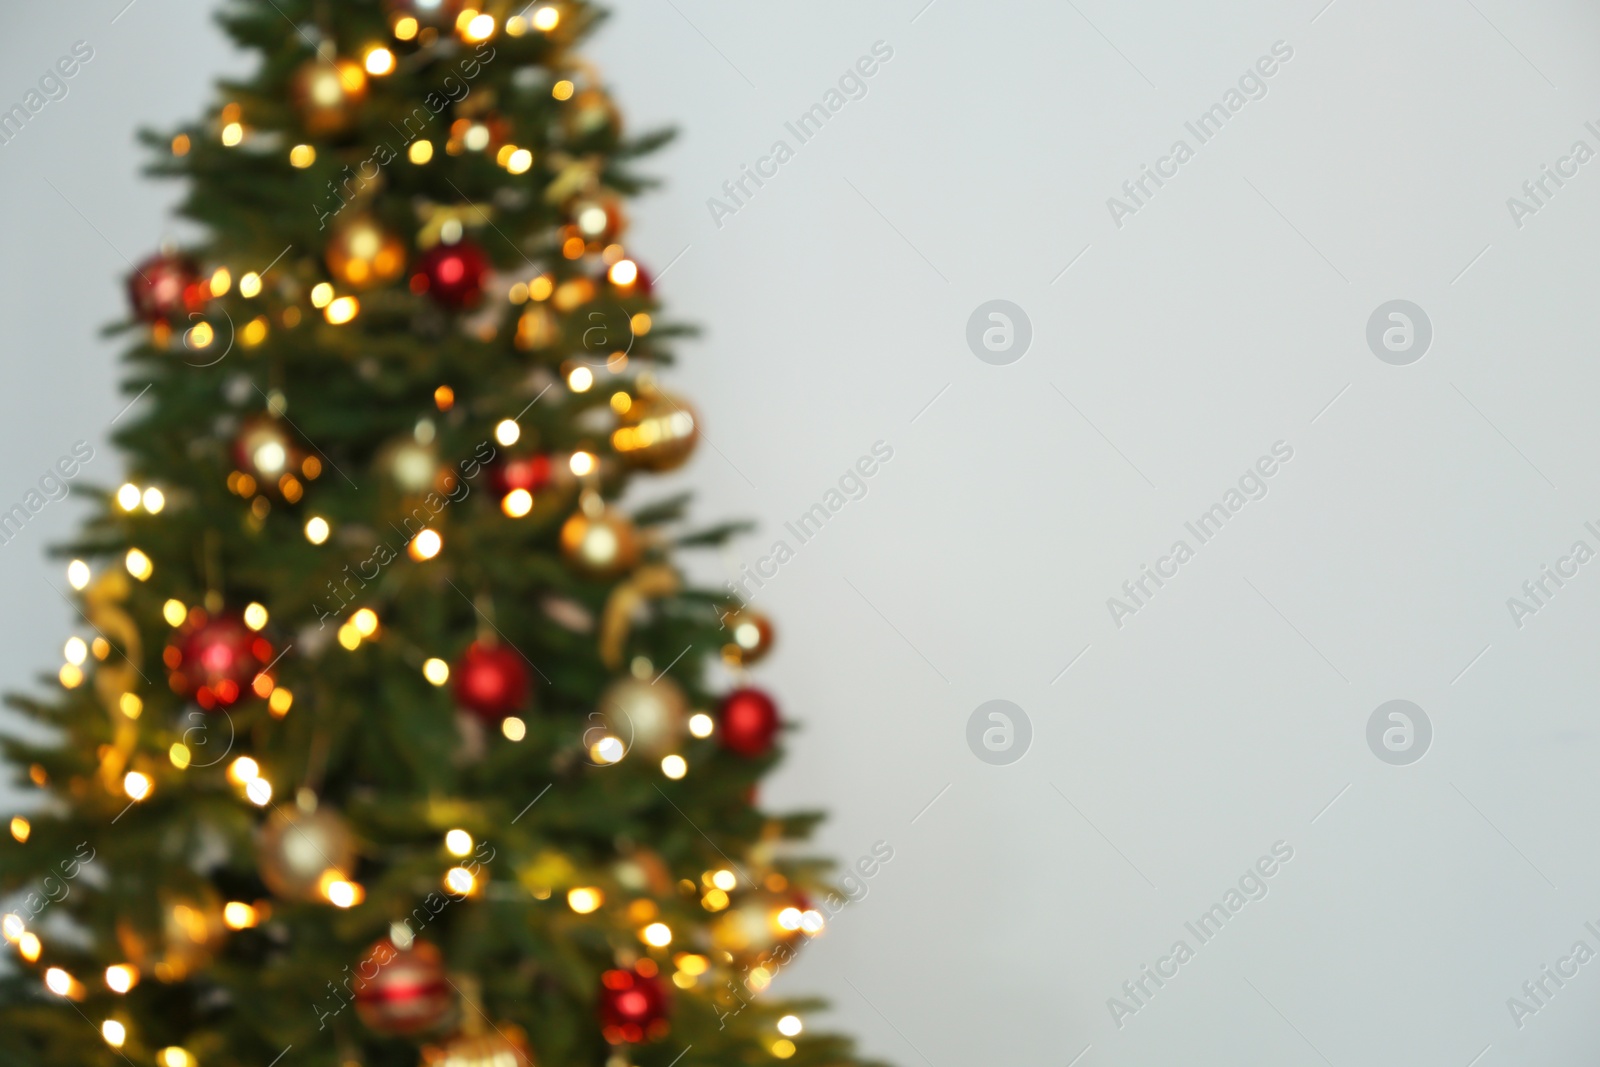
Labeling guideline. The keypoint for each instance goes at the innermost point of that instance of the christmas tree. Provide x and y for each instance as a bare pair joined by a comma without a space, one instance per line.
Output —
391,734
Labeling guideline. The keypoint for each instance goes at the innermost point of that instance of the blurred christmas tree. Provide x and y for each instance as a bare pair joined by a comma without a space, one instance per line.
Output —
389,737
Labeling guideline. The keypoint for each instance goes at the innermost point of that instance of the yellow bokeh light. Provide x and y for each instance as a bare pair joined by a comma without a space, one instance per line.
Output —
255,616
426,545
507,432
714,900
120,977
12,927
624,272
154,500
691,963
243,770
436,671
180,145
343,894
582,463
581,380
366,621
131,705
238,915
789,919
173,1056
221,281
137,786
76,651
546,18
541,287
513,728
174,611
790,1026
379,61
562,90
479,28
302,156
607,750
280,702
458,843
342,310
701,724
517,503
349,637
783,1048
259,791
250,285
139,564
405,28
20,828
128,496
658,935
78,574
58,981
200,335
317,529
674,767
114,1033
29,947
585,899
724,879
519,161
460,881
71,676
321,295
420,152
179,755
232,134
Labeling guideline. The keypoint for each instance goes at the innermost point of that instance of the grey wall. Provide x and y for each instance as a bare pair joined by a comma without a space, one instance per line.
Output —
1230,312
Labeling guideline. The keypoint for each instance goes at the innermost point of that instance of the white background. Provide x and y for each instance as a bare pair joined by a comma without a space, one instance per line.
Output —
1223,317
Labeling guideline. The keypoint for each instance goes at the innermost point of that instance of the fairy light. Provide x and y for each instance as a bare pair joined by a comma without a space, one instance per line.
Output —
20,829
790,1026
255,616
114,1033
582,463
120,977
180,145
12,927
405,28
812,922
221,281
259,791
458,843
546,19
238,915
783,1048
29,947
232,134
517,503
137,786
379,61
139,564
243,771
154,500
321,295
301,156
657,935
342,310
674,767
513,728
562,90
541,287
436,671
280,702
365,621
317,529
78,574
519,161
76,651
607,750
420,152
460,881
343,894
174,611
581,380
701,724
479,28
58,981
250,284
624,272
179,755
585,899
128,496
71,676
173,1056
506,431
724,880
349,638
426,545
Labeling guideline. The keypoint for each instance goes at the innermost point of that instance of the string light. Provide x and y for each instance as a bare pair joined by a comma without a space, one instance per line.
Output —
517,503
259,790
317,529
585,899
379,61
137,786
546,18
405,28
71,676
75,651
173,1056
120,977
221,281
238,915
789,919
479,28
58,981
279,702
658,935
624,272
724,880
139,564
562,90
255,616
128,496
243,770
301,156
130,705
78,574
425,545
674,767
783,1048
342,310
20,829
154,500
460,881
580,380
250,284
701,724
436,671
179,755
232,134
607,750
13,929
513,728
520,161
321,295
790,1026
458,843
506,431
29,948
582,463
365,622
420,152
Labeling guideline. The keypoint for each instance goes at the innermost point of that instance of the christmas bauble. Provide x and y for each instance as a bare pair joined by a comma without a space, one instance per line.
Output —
600,546
648,716
266,450
426,12
408,994
749,637
453,275
747,722
167,287
491,681
191,927
215,659
503,1048
327,94
658,431
361,253
633,1006
295,849
530,473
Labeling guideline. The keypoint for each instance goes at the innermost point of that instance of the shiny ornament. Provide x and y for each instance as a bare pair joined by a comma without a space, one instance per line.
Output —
167,288
600,546
453,275
191,928
426,12
747,722
491,681
408,993
530,473
649,717
328,93
633,1005
361,253
503,1048
295,849
216,659
658,431
749,637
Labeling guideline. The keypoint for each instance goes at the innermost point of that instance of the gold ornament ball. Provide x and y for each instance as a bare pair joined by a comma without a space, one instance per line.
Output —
296,848
504,1048
600,546
327,93
749,637
649,717
658,431
361,253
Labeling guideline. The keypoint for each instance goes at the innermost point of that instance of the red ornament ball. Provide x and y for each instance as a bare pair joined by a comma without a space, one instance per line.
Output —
633,1005
453,275
747,722
402,991
166,287
491,681
215,660
531,473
